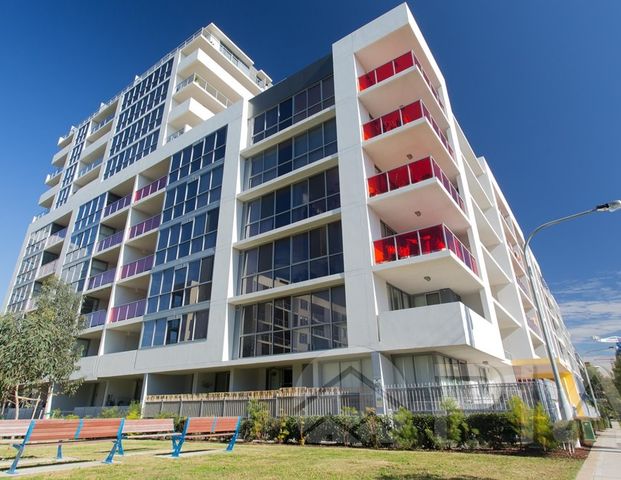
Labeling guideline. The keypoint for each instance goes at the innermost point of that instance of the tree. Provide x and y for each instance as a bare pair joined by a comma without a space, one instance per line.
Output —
608,397
38,350
616,373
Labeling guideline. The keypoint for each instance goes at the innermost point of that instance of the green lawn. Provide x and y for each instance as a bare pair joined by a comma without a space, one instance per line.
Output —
277,461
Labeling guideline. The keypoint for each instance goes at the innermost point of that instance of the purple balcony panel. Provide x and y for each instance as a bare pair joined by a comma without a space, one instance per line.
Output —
144,227
139,266
127,311
110,241
118,205
101,279
151,188
95,319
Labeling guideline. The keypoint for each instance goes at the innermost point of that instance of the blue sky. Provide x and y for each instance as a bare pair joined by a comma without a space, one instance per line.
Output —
534,85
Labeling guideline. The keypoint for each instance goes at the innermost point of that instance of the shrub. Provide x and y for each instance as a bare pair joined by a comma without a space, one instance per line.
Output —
404,433
492,429
134,412
110,412
259,417
542,429
520,417
565,431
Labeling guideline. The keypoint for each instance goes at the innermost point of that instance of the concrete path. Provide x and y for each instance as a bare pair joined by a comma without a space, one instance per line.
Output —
604,460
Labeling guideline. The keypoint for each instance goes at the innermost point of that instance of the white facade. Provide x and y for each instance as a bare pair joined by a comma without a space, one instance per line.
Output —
452,307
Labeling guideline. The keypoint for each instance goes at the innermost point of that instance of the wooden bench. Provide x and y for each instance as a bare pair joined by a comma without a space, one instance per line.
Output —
45,432
147,428
207,427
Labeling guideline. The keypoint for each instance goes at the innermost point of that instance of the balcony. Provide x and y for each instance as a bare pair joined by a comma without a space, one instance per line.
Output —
101,279
127,311
408,131
151,188
200,89
53,178
119,204
422,190
441,260
47,269
139,266
144,227
98,129
109,242
56,238
89,172
95,319
398,83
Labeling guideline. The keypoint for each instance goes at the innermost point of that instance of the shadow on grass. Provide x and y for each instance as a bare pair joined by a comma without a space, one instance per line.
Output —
427,476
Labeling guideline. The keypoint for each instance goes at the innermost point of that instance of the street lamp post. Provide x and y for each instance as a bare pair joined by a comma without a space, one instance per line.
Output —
566,412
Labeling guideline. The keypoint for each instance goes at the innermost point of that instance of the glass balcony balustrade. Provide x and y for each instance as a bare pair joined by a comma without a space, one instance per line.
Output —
144,227
389,69
117,205
101,279
139,266
422,242
56,237
402,116
127,311
151,188
110,241
410,174
95,319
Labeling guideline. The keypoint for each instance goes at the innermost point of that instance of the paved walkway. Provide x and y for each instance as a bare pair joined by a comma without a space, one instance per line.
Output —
604,460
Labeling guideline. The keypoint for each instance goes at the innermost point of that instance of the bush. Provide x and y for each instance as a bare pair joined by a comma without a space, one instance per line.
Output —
566,431
110,412
134,412
493,429
404,433
259,418
542,429
520,417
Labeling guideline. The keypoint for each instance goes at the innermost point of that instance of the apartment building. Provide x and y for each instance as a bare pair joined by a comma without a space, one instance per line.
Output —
335,228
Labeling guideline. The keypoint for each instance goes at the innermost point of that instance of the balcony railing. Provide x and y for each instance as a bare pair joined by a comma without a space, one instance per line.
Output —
139,266
95,319
151,188
412,173
205,85
52,175
524,286
422,242
144,227
102,124
129,310
47,268
117,205
399,64
91,166
110,241
534,325
409,113
101,279
40,214
56,237
174,135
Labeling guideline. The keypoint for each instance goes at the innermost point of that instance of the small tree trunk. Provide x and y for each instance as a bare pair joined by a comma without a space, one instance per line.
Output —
47,411
34,410
16,402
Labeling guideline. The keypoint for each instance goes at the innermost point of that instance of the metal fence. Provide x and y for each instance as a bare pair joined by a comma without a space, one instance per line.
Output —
471,398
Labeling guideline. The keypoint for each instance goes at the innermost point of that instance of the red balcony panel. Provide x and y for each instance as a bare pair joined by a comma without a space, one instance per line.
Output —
403,62
391,121
408,245
385,250
367,80
398,177
422,170
372,129
385,71
378,184
412,112
432,239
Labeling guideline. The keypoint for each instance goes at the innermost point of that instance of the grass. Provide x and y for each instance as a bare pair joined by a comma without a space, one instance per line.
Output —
255,462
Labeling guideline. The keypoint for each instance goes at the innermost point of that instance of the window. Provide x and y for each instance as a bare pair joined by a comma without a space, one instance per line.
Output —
310,197
294,109
185,328
181,285
308,147
193,158
190,236
400,300
313,321
308,255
